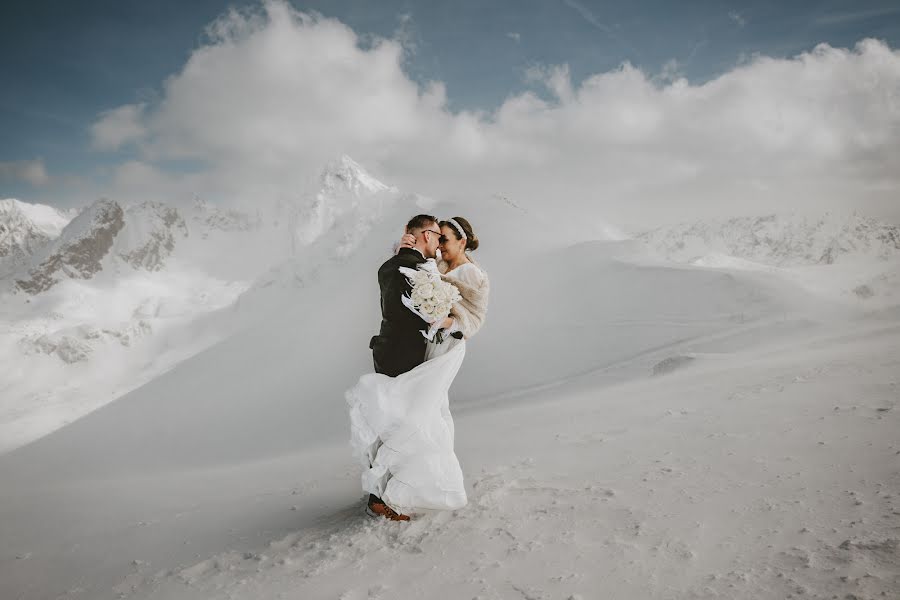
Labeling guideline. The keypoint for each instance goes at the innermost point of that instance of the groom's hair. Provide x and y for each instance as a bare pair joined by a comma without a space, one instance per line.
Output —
420,222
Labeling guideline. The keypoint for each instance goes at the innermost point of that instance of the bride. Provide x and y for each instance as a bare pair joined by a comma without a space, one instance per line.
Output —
401,427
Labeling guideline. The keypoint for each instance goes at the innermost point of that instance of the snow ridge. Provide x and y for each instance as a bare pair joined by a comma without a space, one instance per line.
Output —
778,240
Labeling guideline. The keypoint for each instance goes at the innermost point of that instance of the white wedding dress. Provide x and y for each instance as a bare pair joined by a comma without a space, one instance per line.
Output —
402,431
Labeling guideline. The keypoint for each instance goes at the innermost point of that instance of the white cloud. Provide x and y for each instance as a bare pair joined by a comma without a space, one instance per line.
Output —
405,33
273,96
514,36
587,15
29,171
555,78
671,71
737,18
118,127
840,18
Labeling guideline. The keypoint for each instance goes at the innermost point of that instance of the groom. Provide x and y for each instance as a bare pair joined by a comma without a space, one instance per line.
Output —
400,345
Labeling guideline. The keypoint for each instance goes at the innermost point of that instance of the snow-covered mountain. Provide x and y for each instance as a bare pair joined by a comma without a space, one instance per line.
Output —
142,236
124,291
345,188
49,246
25,229
145,286
78,251
149,236
326,227
206,218
778,240
850,259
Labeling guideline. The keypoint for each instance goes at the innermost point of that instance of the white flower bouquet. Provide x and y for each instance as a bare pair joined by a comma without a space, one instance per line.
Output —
431,297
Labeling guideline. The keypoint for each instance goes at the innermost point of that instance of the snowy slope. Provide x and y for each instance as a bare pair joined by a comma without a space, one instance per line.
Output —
758,475
628,428
763,468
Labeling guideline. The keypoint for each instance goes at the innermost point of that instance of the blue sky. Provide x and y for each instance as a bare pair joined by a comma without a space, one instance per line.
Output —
63,63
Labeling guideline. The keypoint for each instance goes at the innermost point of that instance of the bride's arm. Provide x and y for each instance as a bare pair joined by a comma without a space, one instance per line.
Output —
468,314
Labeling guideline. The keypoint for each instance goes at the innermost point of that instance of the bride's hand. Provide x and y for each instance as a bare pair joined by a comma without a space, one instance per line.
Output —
448,323
408,241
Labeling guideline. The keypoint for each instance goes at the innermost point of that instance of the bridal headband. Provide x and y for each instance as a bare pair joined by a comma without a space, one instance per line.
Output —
458,228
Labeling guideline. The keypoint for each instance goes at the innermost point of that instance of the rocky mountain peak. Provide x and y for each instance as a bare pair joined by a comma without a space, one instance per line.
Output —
149,235
80,248
347,191
25,229
345,174
206,217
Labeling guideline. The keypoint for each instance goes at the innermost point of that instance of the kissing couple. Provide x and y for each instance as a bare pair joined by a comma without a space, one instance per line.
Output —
434,298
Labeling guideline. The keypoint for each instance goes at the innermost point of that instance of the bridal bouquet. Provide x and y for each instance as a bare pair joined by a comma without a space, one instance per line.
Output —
431,298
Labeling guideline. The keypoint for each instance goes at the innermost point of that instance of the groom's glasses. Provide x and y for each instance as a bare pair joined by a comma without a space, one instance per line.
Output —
437,233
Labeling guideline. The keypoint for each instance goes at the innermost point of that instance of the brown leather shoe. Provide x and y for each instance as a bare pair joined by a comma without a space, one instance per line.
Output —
380,509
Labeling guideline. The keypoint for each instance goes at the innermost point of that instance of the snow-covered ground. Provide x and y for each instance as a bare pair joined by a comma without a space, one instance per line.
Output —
668,416
747,472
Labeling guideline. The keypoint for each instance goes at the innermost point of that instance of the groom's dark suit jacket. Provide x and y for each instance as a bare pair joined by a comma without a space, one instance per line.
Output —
399,346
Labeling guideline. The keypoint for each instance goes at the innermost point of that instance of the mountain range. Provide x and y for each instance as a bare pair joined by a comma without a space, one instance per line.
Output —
705,410
114,294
